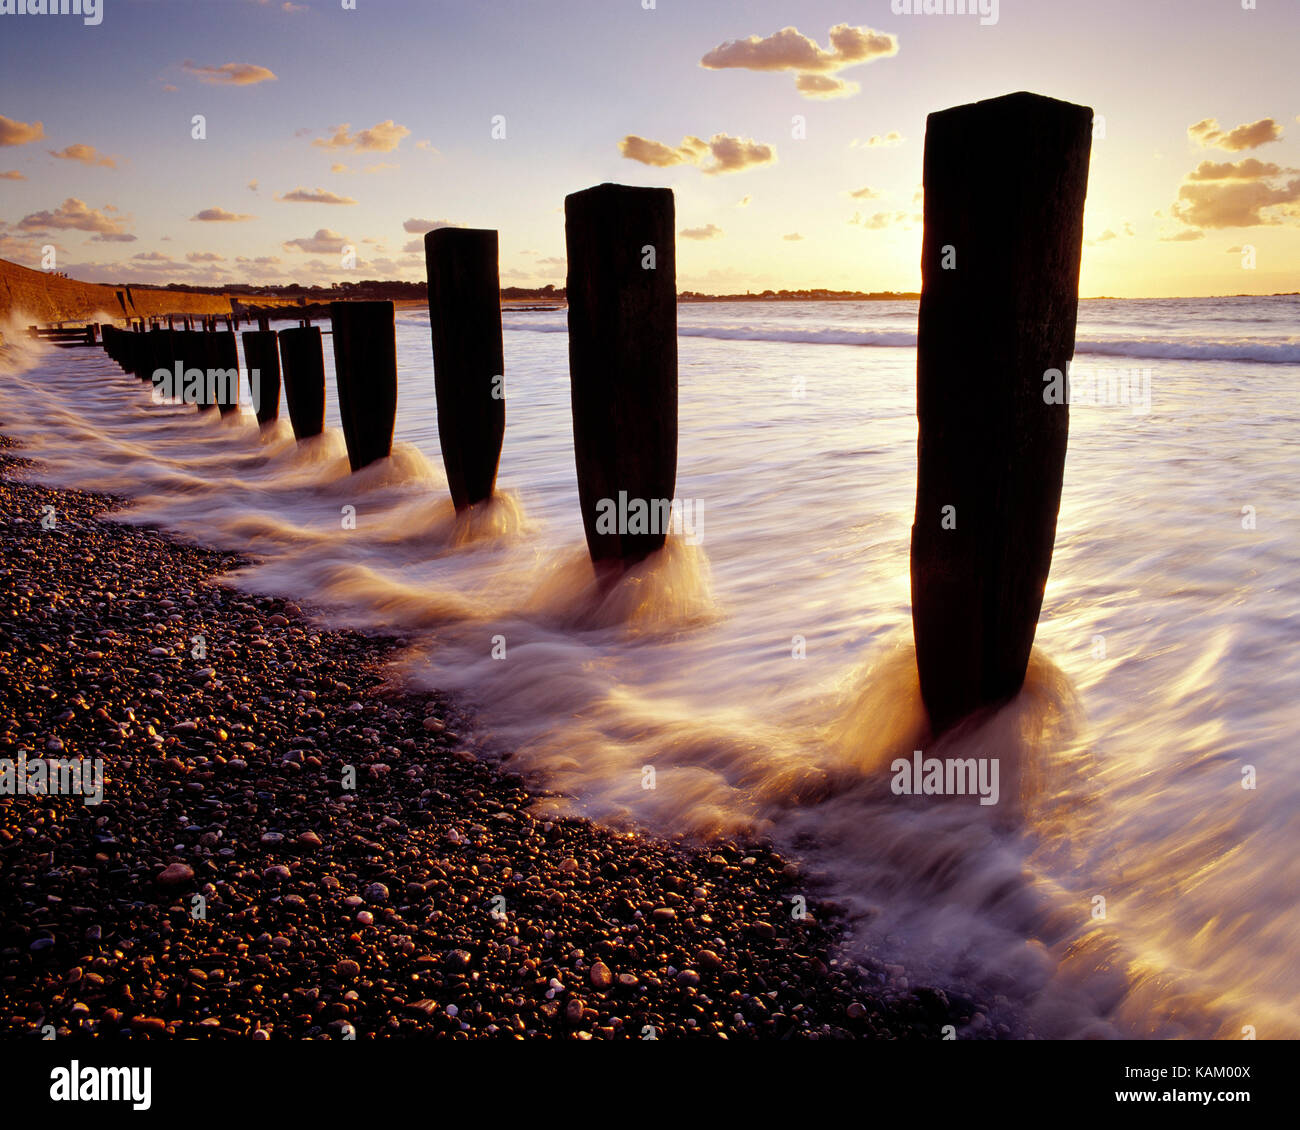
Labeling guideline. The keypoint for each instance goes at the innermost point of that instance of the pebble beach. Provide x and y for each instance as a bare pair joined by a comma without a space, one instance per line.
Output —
290,847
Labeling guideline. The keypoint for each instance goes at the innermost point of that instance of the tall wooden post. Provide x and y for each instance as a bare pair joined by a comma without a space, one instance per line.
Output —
302,364
365,364
225,370
262,360
623,365
1000,281
468,363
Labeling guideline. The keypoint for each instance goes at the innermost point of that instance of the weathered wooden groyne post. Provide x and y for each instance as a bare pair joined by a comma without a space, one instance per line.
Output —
223,369
999,298
262,360
190,351
302,364
622,293
161,354
365,364
468,362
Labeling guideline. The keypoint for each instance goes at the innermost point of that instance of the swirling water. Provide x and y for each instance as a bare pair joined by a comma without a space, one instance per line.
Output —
762,664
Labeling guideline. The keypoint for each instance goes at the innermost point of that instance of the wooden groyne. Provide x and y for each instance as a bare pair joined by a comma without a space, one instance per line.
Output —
999,298
1000,270
468,362
622,289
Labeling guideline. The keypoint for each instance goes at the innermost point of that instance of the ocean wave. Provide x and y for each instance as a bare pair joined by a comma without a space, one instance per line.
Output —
1145,348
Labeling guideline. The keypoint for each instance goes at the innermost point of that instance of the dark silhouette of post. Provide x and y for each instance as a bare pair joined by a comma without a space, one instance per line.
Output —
133,352
302,366
161,354
194,352
622,293
1005,181
365,365
262,360
224,370
468,364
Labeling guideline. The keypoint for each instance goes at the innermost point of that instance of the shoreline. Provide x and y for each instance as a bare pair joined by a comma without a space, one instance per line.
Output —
375,910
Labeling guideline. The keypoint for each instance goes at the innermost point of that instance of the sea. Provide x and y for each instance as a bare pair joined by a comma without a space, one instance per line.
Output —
1138,876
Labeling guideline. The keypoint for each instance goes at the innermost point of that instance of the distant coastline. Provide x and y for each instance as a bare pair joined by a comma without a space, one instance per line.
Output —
49,297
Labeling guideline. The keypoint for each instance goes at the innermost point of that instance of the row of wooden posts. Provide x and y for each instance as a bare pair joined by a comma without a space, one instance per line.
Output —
1004,183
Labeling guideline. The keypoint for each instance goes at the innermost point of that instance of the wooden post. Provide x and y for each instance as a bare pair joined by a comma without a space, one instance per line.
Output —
261,356
225,363
468,363
623,365
1000,282
303,369
193,350
365,365
161,354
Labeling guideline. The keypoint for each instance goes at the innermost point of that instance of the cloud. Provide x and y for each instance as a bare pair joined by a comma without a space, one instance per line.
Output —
204,257
419,227
1240,194
252,186
152,257
115,237
825,86
169,89
1183,236
86,154
380,167
792,237
383,137
74,214
19,133
788,50
878,220
743,202
553,261
722,153
229,74
427,146
1207,134
876,141
323,242
1249,169
12,174
865,193
709,231
338,167
1235,204
287,6
318,196
221,216
656,153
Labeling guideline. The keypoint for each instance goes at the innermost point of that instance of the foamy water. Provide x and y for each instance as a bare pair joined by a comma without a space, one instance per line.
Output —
766,673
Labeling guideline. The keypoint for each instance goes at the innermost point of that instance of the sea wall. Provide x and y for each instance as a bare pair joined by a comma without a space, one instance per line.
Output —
40,297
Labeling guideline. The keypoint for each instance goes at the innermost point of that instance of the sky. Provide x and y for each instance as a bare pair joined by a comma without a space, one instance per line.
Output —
314,142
